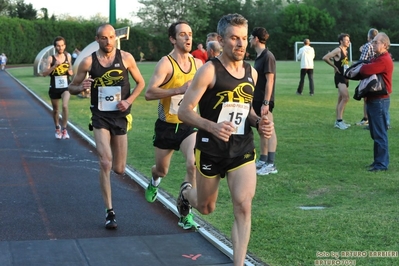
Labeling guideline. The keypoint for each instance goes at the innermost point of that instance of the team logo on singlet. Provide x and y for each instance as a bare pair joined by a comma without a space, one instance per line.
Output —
62,69
240,94
344,61
110,78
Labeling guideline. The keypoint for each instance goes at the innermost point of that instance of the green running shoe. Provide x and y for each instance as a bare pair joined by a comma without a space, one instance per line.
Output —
183,206
187,222
151,193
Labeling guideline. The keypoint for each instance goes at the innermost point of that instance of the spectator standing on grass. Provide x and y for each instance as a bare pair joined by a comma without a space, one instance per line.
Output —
223,90
263,100
59,68
171,78
377,106
306,54
338,59
367,54
108,71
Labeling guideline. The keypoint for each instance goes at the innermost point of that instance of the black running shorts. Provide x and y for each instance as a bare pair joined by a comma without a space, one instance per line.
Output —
56,93
211,166
169,136
115,125
338,78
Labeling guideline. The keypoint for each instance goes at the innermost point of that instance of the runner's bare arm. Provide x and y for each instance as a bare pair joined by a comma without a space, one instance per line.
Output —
163,71
80,82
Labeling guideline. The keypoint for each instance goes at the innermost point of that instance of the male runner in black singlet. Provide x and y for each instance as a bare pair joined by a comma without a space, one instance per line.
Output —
59,68
223,89
111,99
340,63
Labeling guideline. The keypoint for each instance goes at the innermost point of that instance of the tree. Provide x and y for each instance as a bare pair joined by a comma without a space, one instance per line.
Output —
3,6
388,10
18,9
157,15
43,13
301,21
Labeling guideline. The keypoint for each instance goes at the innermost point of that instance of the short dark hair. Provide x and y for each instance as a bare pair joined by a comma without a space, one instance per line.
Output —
261,33
57,39
342,36
172,28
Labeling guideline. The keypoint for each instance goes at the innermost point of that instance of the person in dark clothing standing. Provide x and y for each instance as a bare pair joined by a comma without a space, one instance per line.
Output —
340,63
263,101
111,99
59,68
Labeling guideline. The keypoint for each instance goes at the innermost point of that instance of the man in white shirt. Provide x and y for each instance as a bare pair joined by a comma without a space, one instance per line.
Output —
306,55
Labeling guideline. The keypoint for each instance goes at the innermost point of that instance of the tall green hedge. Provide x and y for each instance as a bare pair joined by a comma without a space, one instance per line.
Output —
21,40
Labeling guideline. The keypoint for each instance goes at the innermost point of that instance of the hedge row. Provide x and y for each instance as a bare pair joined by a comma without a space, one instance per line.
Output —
21,40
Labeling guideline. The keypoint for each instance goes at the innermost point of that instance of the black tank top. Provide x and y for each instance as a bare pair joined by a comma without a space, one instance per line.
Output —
235,91
115,75
342,63
59,77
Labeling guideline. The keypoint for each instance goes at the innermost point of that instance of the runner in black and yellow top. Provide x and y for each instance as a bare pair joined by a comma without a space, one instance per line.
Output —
171,78
59,68
338,59
108,72
223,88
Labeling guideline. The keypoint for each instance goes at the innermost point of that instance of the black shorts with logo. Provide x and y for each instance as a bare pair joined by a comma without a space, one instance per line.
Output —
115,125
211,166
169,136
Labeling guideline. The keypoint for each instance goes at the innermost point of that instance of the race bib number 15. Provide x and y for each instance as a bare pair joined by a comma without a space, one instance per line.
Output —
236,113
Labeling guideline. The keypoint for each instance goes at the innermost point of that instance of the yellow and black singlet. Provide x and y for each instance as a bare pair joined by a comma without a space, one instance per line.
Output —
110,85
168,107
59,77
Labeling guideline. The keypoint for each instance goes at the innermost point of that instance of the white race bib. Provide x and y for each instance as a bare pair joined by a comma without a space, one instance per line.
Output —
236,113
108,98
61,82
175,102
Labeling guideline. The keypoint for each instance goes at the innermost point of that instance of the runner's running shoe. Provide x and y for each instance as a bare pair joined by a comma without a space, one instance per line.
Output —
65,134
187,222
110,221
151,192
183,206
58,134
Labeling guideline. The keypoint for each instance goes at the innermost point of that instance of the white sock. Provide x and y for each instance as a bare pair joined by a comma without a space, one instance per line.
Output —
156,182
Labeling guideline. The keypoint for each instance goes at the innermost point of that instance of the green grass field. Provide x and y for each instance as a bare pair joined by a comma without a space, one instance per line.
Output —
318,166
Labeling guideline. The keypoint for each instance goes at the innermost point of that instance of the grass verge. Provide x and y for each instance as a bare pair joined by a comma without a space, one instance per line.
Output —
318,166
